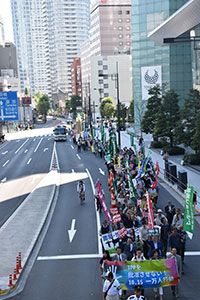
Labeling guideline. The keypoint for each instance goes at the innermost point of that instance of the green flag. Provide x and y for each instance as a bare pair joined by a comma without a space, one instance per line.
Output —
132,139
188,224
132,189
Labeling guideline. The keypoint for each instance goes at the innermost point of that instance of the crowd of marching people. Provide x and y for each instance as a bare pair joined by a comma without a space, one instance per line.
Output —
132,182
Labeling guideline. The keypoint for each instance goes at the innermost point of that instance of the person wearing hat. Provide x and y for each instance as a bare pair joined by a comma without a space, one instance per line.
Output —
159,217
137,294
111,288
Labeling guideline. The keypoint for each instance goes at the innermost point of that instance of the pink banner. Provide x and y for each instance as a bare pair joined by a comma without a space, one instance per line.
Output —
150,212
100,194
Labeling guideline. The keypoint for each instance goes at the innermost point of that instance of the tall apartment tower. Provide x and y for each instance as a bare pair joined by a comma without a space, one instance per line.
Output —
110,32
2,36
66,27
29,40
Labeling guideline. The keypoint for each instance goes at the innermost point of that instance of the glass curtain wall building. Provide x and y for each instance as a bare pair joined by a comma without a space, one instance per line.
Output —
154,64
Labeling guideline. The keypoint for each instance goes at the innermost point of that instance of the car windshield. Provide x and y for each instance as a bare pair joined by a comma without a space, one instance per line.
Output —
60,131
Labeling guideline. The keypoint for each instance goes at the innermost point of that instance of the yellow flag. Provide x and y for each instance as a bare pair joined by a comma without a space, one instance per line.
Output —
92,148
119,158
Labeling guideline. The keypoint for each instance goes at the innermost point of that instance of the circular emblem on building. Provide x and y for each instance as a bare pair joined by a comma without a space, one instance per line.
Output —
151,79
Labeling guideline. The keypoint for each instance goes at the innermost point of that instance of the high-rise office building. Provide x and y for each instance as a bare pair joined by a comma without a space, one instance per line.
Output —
110,29
66,27
29,40
48,34
2,36
153,63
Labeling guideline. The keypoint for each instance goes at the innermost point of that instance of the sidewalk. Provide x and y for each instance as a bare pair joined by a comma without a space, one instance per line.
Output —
192,175
20,232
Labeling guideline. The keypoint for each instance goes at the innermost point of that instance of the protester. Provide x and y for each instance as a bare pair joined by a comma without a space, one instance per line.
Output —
159,216
178,218
106,256
119,255
111,288
175,288
170,212
105,227
139,256
164,235
183,235
129,249
154,244
159,290
137,294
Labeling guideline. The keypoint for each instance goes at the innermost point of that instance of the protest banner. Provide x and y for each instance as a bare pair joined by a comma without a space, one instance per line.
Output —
112,191
130,182
148,273
157,173
101,199
154,231
110,241
117,218
150,212
122,232
188,224
114,211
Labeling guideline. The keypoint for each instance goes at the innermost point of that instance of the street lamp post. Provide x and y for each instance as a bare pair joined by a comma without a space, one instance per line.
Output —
116,78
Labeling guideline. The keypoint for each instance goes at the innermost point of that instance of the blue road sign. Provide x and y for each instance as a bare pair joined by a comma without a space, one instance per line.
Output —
8,106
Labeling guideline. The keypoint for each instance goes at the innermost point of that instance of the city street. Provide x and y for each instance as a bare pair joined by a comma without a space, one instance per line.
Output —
64,269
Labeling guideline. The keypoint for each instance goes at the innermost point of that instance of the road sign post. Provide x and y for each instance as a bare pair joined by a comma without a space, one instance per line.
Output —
8,106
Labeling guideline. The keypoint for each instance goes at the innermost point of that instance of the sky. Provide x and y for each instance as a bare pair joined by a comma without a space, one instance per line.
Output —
5,11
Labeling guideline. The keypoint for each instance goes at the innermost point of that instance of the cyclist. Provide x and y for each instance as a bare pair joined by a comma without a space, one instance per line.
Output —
81,190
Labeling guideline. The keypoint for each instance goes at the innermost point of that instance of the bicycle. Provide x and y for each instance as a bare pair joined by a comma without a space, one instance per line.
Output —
82,196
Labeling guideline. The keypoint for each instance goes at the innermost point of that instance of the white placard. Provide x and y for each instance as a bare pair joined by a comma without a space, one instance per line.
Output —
151,76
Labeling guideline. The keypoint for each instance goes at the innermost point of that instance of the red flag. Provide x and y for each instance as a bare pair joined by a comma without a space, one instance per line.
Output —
113,198
150,212
114,211
154,185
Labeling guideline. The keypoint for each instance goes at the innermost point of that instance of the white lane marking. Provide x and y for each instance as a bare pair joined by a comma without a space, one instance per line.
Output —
17,141
4,180
21,146
72,231
5,163
26,151
78,156
28,162
72,170
101,172
72,146
76,256
49,139
97,214
4,153
34,140
46,149
38,145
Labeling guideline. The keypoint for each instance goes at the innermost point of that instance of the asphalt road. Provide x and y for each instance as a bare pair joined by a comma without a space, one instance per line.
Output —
67,270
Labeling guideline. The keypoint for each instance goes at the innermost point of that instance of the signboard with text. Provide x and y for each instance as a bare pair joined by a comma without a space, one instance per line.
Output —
151,76
8,106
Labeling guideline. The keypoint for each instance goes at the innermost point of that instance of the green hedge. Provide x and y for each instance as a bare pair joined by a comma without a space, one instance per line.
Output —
192,159
173,150
158,144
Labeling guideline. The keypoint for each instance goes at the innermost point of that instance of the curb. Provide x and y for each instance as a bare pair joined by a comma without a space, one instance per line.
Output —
20,283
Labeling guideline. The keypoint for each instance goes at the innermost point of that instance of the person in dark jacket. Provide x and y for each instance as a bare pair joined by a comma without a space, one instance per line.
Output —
129,249
164,235
175,241
170,212
154,243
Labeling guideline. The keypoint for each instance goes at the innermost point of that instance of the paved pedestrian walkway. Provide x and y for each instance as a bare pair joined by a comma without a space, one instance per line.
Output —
20,232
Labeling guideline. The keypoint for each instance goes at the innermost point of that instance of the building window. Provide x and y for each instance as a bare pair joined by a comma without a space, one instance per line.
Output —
100,63
106,94
120,28
127,27
121,43
127,20
100,72
128,43
120,36
127,12
105,76
100,81
105,86
120,20
128,36
105,67
119,12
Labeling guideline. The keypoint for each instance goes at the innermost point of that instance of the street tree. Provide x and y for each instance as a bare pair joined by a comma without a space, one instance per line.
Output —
43,106
106,107
196,137
67,105
131,109
168,117
26,92
75,102
152,108
189,116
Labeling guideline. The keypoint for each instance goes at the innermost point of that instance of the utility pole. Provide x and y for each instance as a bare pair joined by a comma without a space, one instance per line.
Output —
90,111
118,107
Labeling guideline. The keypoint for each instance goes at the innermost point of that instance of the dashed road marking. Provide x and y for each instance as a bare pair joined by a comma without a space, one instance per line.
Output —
28,162
78,156
72,170
4,153
78,256
21,146
38,145
5,163
72,146
26,151
4,180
